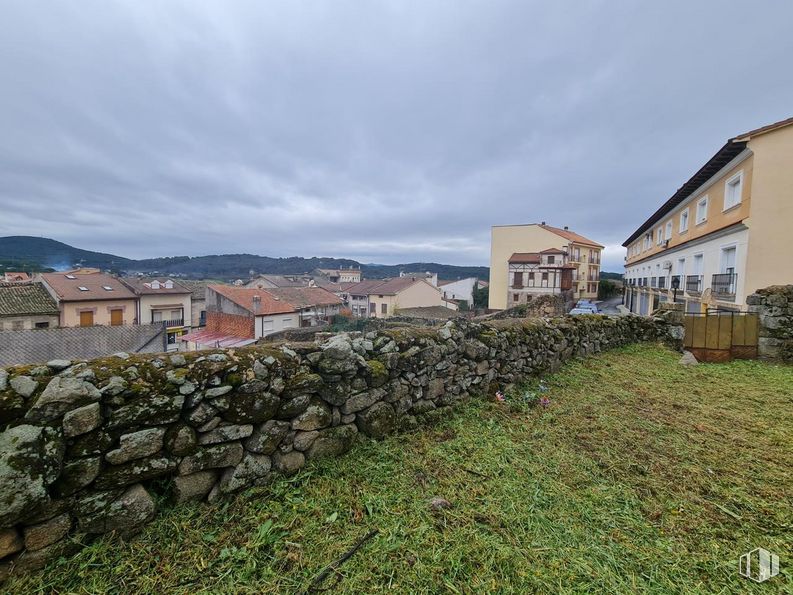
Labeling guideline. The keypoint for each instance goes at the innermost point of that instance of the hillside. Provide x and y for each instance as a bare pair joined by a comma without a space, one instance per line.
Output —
47,253
23,251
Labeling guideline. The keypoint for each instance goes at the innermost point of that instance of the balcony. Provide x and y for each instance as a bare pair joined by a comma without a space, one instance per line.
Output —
723,285
694,283
173,323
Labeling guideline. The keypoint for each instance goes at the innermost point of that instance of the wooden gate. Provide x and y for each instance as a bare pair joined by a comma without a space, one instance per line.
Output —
720,336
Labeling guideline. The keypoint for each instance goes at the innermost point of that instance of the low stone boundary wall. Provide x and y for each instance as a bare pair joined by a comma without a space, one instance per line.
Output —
774,305
84,445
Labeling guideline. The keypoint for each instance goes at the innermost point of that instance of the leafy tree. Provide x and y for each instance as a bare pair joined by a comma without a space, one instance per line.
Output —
607,289
481,297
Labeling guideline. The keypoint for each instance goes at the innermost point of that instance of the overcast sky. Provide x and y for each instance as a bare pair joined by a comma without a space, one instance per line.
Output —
382,131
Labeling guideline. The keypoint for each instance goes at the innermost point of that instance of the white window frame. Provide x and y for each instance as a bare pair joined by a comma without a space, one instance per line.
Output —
729,183
706,202
660,239
669,227
684,214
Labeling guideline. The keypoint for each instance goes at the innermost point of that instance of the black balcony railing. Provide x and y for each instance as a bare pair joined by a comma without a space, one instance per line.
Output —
694,283
723,284
174,322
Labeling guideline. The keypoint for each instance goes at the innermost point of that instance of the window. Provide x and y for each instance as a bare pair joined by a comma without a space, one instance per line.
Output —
87,318
551,259
107,288
531,277
515,297
681,266
70,277
702,210
545,276
42,325
517,280
373,308
669,230
684,221
660,234
732,191
384,308
728,260
81,288
116,317
176,314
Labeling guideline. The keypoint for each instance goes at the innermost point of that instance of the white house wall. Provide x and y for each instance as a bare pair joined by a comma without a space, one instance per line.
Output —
711,253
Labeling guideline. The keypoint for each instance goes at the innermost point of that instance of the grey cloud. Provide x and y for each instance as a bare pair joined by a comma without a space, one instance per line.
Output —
384,131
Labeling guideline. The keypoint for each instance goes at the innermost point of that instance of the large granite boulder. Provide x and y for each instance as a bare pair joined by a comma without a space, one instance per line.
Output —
30,460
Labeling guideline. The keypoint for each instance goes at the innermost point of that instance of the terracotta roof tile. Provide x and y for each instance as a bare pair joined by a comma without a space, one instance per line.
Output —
144,286
525,257
67,287
384,287
571,235
243,296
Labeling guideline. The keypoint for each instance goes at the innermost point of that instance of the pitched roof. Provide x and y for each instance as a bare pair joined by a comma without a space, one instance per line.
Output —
15,276
525,257
243,297
73,343
305,297
731,149
67,286
147,286
722,157
571,235
552,251
20,299
364,287
385,287
197,288
282,280
763,130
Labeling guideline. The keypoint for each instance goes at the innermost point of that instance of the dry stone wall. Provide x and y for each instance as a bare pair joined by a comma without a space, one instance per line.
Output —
774,306
84,446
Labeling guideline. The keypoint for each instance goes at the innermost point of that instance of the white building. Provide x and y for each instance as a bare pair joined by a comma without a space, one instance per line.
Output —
462,289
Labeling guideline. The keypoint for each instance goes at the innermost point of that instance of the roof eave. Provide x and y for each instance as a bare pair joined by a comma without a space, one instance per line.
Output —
731,149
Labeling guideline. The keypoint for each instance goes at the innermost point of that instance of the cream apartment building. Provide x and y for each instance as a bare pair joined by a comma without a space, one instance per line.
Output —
163,301
87,297
723,234
520,263
382,299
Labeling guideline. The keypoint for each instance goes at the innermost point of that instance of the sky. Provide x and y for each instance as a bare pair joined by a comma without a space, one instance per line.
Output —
384,131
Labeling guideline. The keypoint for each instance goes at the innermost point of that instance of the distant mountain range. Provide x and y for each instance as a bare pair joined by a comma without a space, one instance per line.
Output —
30,253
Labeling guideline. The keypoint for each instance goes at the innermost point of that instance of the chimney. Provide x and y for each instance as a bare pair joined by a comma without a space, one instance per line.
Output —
566,228
543,223
256,301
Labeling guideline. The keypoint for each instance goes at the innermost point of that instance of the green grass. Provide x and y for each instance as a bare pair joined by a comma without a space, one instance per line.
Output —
641,475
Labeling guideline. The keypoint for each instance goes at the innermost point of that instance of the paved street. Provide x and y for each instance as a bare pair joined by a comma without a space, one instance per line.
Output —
609,306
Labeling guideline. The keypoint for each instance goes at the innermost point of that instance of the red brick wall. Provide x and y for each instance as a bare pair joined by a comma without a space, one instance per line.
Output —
230,324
